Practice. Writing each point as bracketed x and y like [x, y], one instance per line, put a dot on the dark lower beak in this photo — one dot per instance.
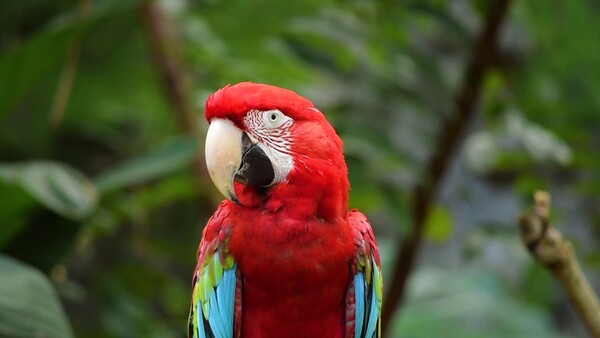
[256, 168]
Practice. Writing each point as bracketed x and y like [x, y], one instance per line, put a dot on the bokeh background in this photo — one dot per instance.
[103, 192]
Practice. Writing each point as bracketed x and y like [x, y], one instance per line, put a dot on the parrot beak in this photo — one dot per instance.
[232, 156]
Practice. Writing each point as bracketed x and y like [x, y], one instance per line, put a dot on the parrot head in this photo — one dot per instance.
[268, 146]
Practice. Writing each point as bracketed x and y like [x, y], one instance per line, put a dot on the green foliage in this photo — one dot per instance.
[439, 224]
[16, 204]
[58, 187]
[480, 307]
[29, 305]
[172, 156]
[52, 42]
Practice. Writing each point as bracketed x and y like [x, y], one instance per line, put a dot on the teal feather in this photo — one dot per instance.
[359, 308]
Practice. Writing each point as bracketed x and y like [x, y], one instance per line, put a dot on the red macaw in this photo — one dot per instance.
[282, 256]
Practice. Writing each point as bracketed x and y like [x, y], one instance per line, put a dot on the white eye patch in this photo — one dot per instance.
[270, 129]
[274, 118]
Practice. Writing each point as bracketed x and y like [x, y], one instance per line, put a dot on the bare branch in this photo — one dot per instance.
[166, 55]
[67, 75]
[175, 79]
[449, 141]
[547, 245]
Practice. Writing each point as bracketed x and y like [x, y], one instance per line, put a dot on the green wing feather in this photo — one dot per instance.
[365, 307]
[214, 283]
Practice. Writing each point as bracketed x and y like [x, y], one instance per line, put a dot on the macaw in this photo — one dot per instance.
[281, 256]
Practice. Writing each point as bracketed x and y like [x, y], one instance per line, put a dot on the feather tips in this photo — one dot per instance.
[367, 307]
[368, 282]
[214, 299]
[214, 284]
[359, 298]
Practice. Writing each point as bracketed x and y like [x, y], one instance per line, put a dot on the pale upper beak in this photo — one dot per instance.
[231, 155]
[223, 155]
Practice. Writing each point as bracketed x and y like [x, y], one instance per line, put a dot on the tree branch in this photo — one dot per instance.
[546, 244]
[165, 54]
[448, 142]
[175, 79]
[67, 75]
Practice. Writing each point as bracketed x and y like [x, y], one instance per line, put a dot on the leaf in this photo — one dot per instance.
[62, 189]
[439, 225]
[22, 68]
[29, 306]
[174, 155]
[468, 302]
[16, 206]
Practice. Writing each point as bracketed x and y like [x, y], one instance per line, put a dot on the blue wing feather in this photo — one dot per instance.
[367, 307]
[215, 317]
[359, 308]
[200, 321]
[229, 280]
[373, 315]
[218, 322]
[214, 282]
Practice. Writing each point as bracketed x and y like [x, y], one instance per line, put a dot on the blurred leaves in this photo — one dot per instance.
[14, 82]
[480, 307]
[173, 155]
[439, 224]
[23, 68]
[516, 143]
[60, 188]
[16, 206]
[29, 306]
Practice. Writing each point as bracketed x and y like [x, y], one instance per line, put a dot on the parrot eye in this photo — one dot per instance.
[274, 118]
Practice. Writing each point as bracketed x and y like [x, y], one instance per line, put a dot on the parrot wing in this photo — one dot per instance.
[364, 296]
[215, 298]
